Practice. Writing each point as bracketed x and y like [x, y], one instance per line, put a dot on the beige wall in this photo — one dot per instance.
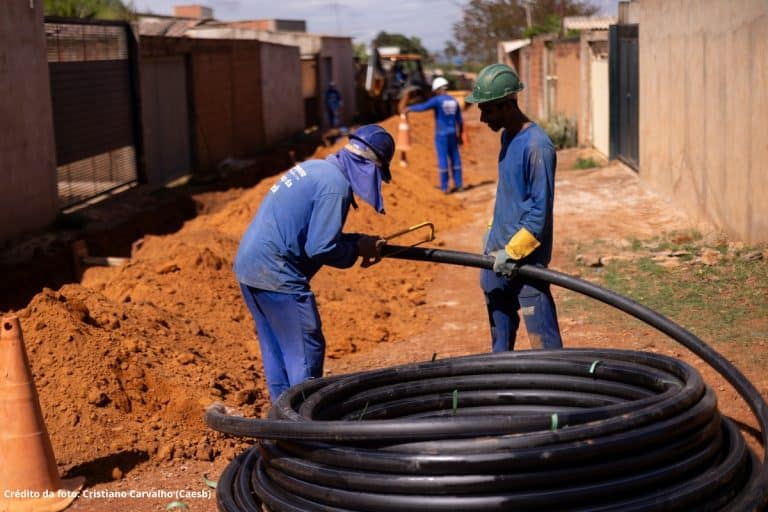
[568, 72]
[311, 46]
[550, 70]
[283, 110]
[593, 122]
[599, 106]
[225, 105]
[246, 94]
[531, 98]
[704, 109]
[27, 150]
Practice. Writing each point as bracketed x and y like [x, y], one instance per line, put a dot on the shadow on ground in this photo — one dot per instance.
[101, 470]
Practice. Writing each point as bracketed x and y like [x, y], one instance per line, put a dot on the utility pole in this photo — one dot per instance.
[336, 11]
[528, 5]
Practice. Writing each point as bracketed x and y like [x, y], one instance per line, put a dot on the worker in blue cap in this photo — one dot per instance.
[298, 229]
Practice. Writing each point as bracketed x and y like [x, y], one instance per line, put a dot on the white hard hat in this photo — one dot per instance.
[439, 82]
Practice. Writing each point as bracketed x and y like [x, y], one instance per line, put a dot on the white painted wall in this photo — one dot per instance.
[599, 104]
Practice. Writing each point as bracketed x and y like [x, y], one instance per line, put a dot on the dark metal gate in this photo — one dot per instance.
[623, 70]
[94, 93]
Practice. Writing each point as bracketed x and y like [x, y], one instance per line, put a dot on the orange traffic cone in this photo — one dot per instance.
[403, 133]
[29, 478]
[403, 139]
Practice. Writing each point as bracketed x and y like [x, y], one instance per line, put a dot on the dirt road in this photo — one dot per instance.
[126, 361]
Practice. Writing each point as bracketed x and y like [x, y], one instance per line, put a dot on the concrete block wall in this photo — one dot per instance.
[283, 103]
[27, 150]
[247, 81]
[246, 94]
[593, 119]
[213, 125]
[567, 58]
[704, 109]
[339, 49]
[531, 99]
[225, 106]
[563, 71]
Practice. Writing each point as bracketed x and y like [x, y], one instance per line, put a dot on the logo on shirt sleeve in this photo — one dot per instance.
[294, 174]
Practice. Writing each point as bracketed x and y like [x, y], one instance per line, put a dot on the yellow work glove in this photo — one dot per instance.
[521, 244]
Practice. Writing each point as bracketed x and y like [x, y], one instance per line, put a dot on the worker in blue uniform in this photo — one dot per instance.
[448, 131]
[521, 229]
[298, 229]
[333, 104]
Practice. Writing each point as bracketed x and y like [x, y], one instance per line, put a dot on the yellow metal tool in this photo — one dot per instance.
[428, 237]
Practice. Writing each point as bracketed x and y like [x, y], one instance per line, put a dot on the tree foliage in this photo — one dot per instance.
[486, 22]
[406, 44]
[360, 52]
[450, 51]
[96, 9]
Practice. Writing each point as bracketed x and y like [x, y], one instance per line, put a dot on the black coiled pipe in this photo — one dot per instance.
[577, 429]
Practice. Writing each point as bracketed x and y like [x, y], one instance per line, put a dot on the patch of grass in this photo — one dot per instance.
[726, 304]
[585, 163]
[561, 130]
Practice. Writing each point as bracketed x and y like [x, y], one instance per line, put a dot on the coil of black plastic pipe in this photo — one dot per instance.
[566, 430]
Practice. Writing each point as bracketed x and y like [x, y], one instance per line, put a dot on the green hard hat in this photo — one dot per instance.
[493, 83]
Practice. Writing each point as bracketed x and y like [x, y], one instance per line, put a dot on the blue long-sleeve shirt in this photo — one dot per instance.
[298, 229]
[525, 192]
[447, 113]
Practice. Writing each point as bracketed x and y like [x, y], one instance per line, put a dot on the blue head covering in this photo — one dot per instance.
[362, 175]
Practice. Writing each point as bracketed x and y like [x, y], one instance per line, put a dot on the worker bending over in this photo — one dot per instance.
[298, 229]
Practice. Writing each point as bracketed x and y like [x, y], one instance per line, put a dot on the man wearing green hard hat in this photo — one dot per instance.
[521, 229]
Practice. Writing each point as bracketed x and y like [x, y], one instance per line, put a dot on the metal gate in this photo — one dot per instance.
[92, 66]
[624, 98]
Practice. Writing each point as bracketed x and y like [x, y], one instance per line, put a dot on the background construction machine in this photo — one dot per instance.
[390, 81]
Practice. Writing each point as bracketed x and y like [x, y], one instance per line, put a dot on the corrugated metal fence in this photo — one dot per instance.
[93, 88]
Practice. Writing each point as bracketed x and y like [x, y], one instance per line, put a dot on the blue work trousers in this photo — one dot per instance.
[504, 297]
[290, 336]
[333, 117]
[447, 147]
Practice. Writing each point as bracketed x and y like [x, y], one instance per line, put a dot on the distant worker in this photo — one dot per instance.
[400, 75]
[297, 230]
[521, 229]
[449, 126]
[333, 103]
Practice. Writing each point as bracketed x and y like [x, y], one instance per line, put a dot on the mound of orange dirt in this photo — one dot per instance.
[127, 360]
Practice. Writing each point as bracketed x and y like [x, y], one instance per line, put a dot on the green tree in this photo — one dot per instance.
[97, 9]
[360, 51]
[486, 22]
[406, 44]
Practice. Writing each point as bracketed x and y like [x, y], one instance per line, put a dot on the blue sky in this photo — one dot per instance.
[430, 20]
